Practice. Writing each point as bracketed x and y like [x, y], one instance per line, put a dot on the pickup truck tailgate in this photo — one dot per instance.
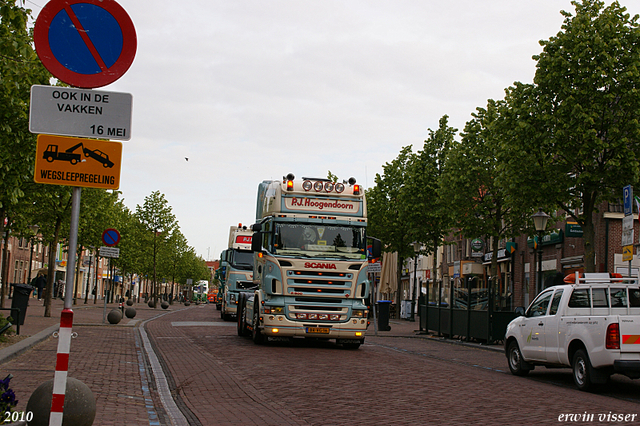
[629, 334]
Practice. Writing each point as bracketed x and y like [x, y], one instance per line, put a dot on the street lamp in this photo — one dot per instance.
[540, 219]
[416, 250]
[34, 229]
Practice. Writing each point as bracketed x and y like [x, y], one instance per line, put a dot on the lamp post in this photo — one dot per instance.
[416, 250]
[33, 228]
[540, 219]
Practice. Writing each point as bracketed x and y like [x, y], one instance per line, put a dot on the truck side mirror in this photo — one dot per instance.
[519, 311]
[256, 241]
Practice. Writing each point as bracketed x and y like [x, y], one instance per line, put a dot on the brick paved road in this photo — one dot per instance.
[227, 380]
[218, 378]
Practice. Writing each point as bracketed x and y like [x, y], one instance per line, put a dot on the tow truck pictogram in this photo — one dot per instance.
[52, 154]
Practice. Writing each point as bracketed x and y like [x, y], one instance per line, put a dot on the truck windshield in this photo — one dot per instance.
[320, 240]
[242, 260]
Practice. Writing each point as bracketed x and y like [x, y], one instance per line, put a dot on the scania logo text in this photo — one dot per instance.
[315, 265]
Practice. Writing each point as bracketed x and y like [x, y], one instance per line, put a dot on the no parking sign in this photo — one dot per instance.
[85, 43]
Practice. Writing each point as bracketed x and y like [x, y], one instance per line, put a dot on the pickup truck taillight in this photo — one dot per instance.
[613, 336]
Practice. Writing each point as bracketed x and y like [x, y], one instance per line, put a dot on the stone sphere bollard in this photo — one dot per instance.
[164, 305]
[130, 312]
[114, 316]
[187, 303]
[151, 304]
[129, 302]
[79, 404]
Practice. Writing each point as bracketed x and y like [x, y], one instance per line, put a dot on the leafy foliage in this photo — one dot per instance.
[571, 137]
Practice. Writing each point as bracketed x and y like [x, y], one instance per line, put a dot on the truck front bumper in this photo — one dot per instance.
[281, 326]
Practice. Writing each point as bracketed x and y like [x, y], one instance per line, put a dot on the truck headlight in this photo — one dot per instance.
[360, 313]
[273, 309]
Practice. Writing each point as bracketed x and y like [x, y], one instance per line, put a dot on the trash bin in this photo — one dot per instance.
[384, 307]
[21, 293]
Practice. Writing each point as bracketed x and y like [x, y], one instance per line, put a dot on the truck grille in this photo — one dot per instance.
[319, 283]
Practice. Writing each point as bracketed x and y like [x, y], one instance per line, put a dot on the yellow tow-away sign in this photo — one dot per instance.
[627, 253]
[89, 163]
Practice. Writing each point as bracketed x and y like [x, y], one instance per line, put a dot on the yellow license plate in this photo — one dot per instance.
[318, 330]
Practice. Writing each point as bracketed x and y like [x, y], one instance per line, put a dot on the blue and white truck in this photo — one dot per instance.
[236, 264]
[310, 263]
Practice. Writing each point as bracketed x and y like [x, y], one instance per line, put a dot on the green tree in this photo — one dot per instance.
[19, 69]
[428, 213]
[50, 207]
[478, 204]
[158, 220]
[572, 137]
[388, 205]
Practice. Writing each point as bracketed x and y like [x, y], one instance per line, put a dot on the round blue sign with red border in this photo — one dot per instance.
[85, 43]
[110, 237]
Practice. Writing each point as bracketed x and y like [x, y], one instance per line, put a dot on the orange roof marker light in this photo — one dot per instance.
[570, 279]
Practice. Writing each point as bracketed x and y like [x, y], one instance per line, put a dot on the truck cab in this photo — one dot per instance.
[310, 263]
[237, 266]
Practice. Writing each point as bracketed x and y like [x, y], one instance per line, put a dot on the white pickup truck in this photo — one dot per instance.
[591, 325]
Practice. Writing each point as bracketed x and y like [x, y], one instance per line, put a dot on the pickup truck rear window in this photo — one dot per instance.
[618, 298]
[579, 299]
[634, 297]
[600, 299]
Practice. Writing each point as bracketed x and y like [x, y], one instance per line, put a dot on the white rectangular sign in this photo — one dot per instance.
[109, 252]
[374, 267]
[627, 237]
[627, 222]
[87, 113]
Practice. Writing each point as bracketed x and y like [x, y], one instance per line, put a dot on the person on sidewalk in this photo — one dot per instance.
[41, 282]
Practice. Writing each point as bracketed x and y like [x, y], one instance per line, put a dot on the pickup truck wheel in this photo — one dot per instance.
[514, 356]
[256, 335]
[582, 370]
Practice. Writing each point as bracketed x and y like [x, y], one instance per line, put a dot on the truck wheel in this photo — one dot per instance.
[256, 335]
[241, 303]
[582, 370]
[514, 356]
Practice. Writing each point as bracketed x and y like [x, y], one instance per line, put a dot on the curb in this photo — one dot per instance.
[16, 349]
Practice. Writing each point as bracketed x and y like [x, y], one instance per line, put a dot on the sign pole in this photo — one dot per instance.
[106, 295]
[66, 320]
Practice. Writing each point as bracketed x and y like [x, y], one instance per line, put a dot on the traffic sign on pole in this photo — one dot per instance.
[78, 162]
[85, 43]
[87, 113]
[110, 237]
[627, 193]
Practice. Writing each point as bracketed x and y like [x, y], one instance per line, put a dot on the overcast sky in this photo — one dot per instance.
[253, 90]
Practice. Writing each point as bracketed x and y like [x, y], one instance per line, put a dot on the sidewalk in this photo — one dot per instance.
[37, 327]
[108, 358]
[411, 329]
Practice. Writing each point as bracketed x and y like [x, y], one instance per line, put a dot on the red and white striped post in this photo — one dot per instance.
[62, 367]
[66, 319]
